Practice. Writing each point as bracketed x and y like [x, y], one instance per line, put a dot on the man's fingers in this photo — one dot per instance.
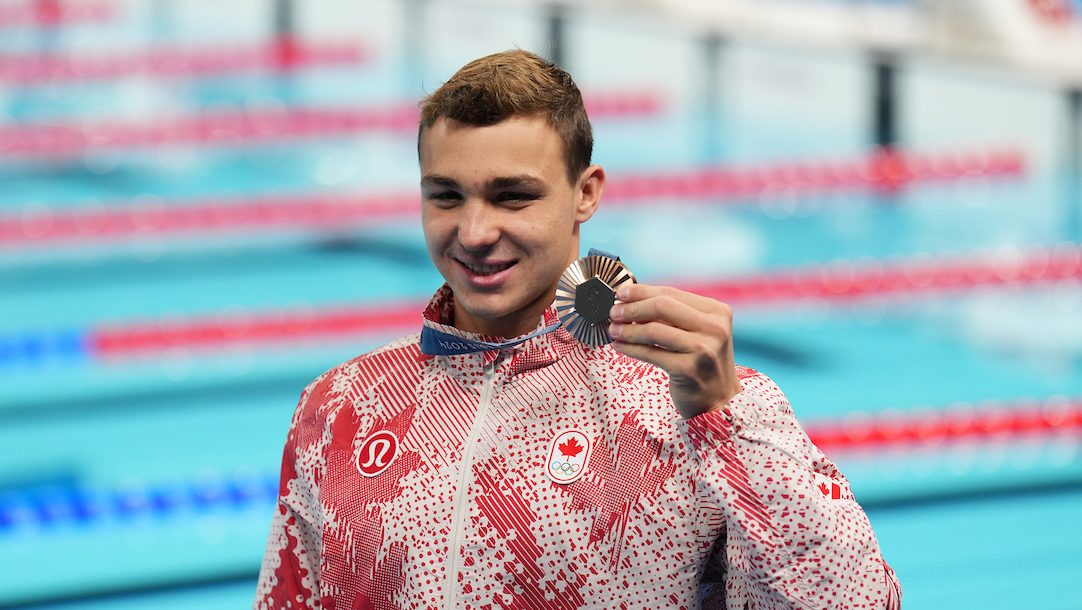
[687, 335]
[675, 312]
[657, 356]
[698, 369]
[638, 292]
[654, 333]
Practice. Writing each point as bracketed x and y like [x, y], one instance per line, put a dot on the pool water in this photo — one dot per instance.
[146, 478]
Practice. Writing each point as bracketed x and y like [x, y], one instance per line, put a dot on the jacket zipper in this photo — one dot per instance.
[461, 492]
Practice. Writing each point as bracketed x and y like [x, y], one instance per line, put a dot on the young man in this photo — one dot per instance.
[540, 472]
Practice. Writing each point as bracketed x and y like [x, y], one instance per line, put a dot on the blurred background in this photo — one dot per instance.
[204, 204]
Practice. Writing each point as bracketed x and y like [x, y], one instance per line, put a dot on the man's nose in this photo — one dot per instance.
[477, 227]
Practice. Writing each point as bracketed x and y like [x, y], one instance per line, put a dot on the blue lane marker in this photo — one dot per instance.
[129, 502]
[7, 514]
[54, 506]
[87, 506]
[57, 505]
[37, 348]
[166, 499]
[15, 512]
[209, 492]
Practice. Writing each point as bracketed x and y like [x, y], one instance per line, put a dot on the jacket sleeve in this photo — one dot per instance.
[290, 573]
[795, 537]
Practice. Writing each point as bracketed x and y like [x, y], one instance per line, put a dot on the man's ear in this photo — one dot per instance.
[590, 185]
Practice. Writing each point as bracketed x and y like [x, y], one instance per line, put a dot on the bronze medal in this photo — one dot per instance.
[586, 292]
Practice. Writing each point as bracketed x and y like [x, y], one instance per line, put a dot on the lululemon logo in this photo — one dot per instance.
[567, 457]
[377, 453]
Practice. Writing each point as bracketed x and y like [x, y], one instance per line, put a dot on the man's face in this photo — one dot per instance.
[501, 218]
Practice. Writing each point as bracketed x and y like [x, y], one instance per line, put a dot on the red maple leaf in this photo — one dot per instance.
[570, 448]
[823, 487]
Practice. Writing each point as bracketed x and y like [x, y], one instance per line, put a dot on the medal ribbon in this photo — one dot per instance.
[435, 342]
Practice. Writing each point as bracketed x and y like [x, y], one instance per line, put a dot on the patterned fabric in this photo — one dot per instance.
[411, 481]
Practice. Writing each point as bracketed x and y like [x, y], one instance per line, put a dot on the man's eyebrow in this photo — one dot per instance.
[439, 181]
[523, 180]
[503, 182]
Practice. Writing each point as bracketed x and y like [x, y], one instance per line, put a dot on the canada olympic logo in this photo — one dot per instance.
[377, 452]
[565, 469]
[568, 455]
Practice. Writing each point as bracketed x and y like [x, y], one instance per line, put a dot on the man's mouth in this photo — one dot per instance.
[485, 269]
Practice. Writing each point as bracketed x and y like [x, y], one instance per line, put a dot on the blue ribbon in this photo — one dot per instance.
[435, 342]
[596, 252]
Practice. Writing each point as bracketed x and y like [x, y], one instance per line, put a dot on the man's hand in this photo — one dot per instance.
[688, 335]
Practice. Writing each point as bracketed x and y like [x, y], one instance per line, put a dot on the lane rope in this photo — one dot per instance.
[960, 422]
[720, 185]
[54, 13]
[254, 125]
[838, 282]
[277, 55]
[56, 505]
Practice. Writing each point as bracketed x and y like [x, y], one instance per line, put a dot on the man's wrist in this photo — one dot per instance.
[719, 405]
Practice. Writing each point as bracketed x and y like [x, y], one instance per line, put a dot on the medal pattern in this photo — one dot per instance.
[586, 291]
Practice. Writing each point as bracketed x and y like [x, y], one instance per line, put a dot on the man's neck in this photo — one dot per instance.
[514, 325]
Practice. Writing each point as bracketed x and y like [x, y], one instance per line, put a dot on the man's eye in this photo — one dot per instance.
[446, 196]
[512, 197]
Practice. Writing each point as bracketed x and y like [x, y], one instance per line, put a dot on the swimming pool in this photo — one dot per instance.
[149, 365]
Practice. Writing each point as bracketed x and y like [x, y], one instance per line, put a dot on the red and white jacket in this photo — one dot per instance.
[555, 475]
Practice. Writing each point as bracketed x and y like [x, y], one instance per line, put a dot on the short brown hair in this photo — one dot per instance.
[495, 87]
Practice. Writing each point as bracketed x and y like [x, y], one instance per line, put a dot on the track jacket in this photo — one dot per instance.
[555, 475]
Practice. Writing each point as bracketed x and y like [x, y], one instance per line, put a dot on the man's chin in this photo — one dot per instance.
[484, 310]
[491, 314]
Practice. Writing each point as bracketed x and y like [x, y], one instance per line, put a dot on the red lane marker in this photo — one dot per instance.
[250, 126]
[288, 326]
[883, 170]
[277, 55]
[958, 423]
[1040, 265]
[53, 13]
[316, 212]
[213, 128]
[319, 212]
[846, 281]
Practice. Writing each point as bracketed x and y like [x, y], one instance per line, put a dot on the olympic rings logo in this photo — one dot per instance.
[568, 458]
[565, 468]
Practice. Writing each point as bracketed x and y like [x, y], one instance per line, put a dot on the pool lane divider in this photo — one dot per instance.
[842, 281]
[53, 13]
[834, 283]
[252, 126]
[53, 505]
[322, 212]
[279, 55]
[117, 341]
[881, 170]
[44, 347]
[108, 223]
[284, 326]
[958, 423]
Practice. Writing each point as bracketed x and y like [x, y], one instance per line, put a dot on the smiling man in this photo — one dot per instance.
[501, 216]
[492, 460]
